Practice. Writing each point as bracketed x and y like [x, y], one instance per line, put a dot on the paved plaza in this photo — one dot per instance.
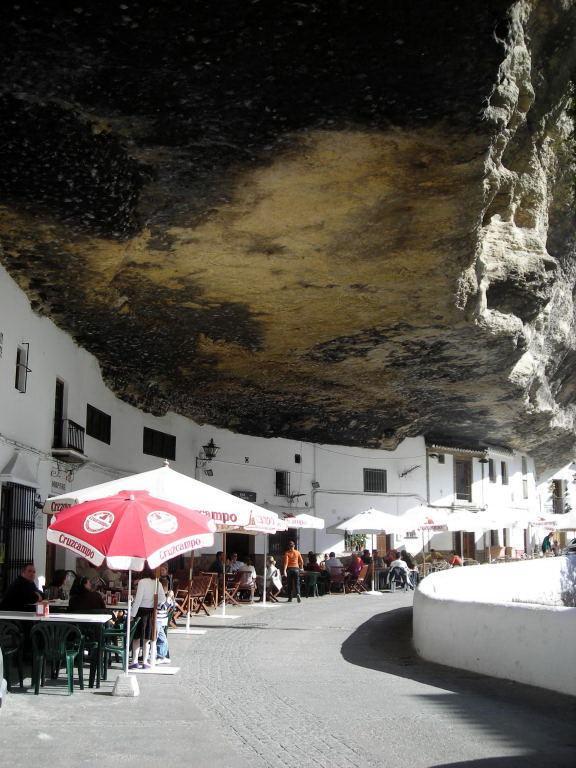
[330, 683]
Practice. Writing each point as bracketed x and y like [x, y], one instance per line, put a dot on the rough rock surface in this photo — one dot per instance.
[334, 221]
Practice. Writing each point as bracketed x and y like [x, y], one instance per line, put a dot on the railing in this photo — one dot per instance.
[71, 436]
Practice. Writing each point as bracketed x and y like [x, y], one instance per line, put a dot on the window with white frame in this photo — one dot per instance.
[524, 477]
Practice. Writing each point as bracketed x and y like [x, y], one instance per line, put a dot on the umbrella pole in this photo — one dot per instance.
[224, 577]
[191, 573]
[154, 620]
[128, 617]
[462, 546]
[264, 585]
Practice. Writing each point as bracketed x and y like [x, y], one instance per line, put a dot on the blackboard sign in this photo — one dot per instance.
[246, 495]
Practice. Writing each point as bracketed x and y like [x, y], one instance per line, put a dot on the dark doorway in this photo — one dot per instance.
[17, 513]
[58, 414]
[278, 543]
[465, 547]
[241, 543]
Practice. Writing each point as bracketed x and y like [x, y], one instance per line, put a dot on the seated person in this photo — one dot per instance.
[455, 559]
[399, 567]
[56, 587]
[312, 564]
[367, 557]
[377, 560]
[247, 578]
[22, 594]
[83, 598]
[85, 568]
[218, 564]
[392, 554]
[235, 564]
[354, 566]
[333, 561]
[412, 568]
[435, 556]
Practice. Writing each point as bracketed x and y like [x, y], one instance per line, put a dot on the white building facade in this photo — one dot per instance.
[61, 428]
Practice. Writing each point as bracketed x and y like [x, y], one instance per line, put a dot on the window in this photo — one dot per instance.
[159, 444]
[491, 470]
[463, 479]
[441, 458]
[282, 483]
[524, 477]
[375, 481]
[98, 424]
[504, 471]
[22, 370]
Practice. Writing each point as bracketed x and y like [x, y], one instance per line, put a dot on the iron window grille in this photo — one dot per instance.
[375, 481]
[504, 472]
[282, 483]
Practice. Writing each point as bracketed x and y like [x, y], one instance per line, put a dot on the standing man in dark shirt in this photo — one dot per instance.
[22, 594]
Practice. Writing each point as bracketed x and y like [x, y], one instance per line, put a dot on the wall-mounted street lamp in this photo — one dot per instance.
[206, 455]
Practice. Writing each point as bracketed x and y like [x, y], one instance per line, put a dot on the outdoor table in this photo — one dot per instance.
[70, 618]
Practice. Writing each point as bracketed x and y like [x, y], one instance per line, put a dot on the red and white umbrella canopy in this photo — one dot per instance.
[130, 528]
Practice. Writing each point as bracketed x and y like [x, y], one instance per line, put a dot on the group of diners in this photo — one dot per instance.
[285, 579]
[23, 594]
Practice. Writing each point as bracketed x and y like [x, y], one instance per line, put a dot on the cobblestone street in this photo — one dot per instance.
[330, 683]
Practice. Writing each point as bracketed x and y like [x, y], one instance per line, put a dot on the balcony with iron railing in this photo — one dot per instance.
[69, 441]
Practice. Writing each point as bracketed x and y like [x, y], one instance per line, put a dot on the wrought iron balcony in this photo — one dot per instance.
[69, 441]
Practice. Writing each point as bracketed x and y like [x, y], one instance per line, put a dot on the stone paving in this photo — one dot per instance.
[330, 683]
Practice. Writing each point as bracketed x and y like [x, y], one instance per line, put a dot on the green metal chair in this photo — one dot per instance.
[115, 643]
[57, 644]
[311, 583]
[11, 643]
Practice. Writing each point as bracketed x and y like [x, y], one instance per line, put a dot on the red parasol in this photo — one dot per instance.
[130, 528]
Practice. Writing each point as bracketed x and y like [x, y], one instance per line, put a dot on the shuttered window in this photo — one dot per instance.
[98, 424]
[159, 444]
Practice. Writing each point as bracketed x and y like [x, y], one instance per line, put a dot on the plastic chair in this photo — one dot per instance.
[115, 643]
[56, 644]
[11, 642]
[311, 583]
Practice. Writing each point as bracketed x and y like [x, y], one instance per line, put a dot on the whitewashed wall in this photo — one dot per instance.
[503, 620]
[243, 462]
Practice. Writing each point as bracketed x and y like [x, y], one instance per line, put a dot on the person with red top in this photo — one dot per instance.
[454, 559]
[292, 564]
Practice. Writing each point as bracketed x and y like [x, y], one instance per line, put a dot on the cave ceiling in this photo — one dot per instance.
[331, 221]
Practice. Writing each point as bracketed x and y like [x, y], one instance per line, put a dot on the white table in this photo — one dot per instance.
[71, 618]
[68, 618]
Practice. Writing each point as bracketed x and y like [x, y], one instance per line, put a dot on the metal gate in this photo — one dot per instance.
[17, 513]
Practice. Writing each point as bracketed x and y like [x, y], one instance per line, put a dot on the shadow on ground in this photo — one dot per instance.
[540, 722]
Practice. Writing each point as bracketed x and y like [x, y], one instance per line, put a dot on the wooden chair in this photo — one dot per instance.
[357, 585]
[199, 589]
[212, 594]
[338, 579]
[181, 599]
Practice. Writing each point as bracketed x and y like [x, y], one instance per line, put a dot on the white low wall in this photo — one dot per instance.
[511, 620]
